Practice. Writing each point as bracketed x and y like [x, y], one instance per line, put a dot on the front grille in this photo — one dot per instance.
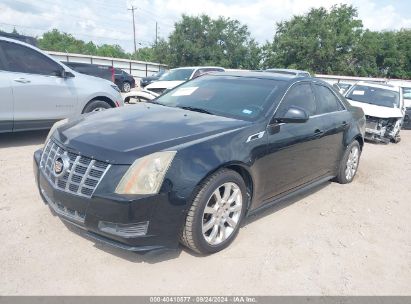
[82, 175]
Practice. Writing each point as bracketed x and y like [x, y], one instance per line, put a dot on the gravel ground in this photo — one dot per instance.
[336, 240]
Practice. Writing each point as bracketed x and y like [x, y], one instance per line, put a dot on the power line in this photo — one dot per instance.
[156, 32]
[134, 28]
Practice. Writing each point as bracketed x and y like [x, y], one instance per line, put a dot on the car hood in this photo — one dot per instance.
[377, 111]
[163, 84]
[122, 135]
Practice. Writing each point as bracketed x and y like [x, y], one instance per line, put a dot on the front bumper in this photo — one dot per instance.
[155, 219]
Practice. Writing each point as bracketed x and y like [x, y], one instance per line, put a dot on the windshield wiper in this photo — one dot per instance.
[194, 109]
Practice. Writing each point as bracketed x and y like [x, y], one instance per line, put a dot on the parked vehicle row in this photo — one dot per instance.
[37, 90]
[199, 156]
[189, 166]
[168, 81]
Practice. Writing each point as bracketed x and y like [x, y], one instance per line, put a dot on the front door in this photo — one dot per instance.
[6, 102]
[40, 96]
[294, 150]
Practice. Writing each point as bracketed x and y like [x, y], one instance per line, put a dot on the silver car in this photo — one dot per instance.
[36, 90]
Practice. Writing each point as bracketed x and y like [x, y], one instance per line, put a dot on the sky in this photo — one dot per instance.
[110, 21]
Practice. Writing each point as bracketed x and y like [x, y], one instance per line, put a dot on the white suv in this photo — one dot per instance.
[37, 90]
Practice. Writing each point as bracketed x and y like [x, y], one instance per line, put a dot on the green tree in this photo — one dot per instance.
[403, 38]
[55, 40]
[320, 41]
[205, 41]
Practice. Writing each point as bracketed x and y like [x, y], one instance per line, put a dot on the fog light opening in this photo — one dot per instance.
[124, 230]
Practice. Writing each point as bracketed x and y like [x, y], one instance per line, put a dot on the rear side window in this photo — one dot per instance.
[22, 59]
[327, 102]
[300, 95]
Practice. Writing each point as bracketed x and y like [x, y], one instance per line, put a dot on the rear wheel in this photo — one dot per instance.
[126, 87]
[214, 218]
[349, 163]
[96, 106]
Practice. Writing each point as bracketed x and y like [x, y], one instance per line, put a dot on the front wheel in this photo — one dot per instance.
[96, 106]
[214, 218]
[349, 163]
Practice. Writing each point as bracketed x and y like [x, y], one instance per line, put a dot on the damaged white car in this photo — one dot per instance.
[139, 96]
[384, 110]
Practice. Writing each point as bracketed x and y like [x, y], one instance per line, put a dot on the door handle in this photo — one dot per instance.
[22, 80]
[344, 124]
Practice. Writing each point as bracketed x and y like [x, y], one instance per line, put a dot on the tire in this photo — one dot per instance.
[126, 87]
[397, 138]
[345, 175]
[195, 234]
[96, 106]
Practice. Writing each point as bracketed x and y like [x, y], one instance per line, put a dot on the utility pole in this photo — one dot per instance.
[156, 32]
[134, 28]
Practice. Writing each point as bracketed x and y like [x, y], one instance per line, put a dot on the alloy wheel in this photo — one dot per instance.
[126, 87]
[99, 109]
[352, 163]
[222, 213]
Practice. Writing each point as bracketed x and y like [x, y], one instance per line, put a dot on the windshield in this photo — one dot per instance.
[406, 92]
[158, 74]
[376, 96]
[229, 96]
[177, 75]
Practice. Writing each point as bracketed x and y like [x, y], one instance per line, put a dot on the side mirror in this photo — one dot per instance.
[293, 115]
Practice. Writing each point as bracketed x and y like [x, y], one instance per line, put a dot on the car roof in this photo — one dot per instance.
[273, 76]
[286, 70]
[199, 67]
[378, 85]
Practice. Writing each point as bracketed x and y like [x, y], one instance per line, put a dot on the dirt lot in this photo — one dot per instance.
[337, 239]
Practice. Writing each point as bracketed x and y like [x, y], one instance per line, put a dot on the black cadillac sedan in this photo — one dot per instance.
[189, 166]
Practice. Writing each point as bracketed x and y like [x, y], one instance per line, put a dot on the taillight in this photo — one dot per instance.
[113, 78]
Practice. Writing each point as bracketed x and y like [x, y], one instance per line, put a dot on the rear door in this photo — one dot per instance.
[335, 121]
[6, 99]
[40, 96]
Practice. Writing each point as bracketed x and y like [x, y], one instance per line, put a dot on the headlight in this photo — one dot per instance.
[146, 174]
[115, 87]
[54, 127]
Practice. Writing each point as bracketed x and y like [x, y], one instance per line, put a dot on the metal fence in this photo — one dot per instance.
[136, 68]
[331, 79]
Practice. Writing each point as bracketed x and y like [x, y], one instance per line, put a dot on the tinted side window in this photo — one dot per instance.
[300, 95]
[26, 60]
[327, 101]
